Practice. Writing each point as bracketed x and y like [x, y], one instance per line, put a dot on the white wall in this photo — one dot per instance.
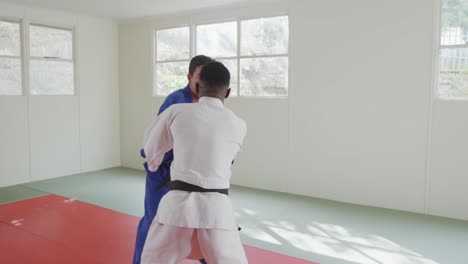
[50, 136]
[360, 110]
[97, 42]
[448, 178]
[14, 138]
[361, 124]
[135, 90]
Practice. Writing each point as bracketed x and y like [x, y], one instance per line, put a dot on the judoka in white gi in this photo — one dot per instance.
[195, 219]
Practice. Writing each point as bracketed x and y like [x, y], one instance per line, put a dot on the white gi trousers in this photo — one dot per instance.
[171, 245]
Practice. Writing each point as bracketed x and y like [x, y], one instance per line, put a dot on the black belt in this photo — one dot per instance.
[191, 188]
[187, 187]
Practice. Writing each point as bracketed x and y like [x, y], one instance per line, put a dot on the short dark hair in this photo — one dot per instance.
[198, 60]
[215, 75]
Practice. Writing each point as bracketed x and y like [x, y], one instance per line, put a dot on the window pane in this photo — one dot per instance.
[51, 42]
[264, 77]
[51, 78]
[266, 36]
[217, 40]
[232, 67]
[453, 78]
[173, 44]
[171, 76]
[10, 39]
[454, 22]
[10, 76]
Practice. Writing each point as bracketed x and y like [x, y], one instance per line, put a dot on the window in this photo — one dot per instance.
[10, 58]
[51, 61]
[453, 53]
[219, 41]
[264, 57]
[172, 60]
[255, 52]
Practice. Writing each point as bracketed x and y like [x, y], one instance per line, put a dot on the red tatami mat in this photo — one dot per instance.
[19, 247]
[53, 229]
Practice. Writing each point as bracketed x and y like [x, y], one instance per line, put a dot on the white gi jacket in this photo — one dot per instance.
[205, 137]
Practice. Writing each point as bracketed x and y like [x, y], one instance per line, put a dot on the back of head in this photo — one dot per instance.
[197, 61]
[214, 78]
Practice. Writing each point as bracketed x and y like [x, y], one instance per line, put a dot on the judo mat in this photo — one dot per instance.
[54, 229]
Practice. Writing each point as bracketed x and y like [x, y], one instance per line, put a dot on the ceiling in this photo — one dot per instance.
[126, 9]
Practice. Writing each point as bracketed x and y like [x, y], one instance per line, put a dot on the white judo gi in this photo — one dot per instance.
[205, 138]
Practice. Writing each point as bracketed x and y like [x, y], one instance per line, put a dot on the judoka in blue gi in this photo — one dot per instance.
[155, 180]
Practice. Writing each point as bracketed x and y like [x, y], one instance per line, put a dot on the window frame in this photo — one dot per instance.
[193, 50]
[154, 55]
[30, 58]
[263, 56]
[438, 46]
[236, 57]
[21, 57]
